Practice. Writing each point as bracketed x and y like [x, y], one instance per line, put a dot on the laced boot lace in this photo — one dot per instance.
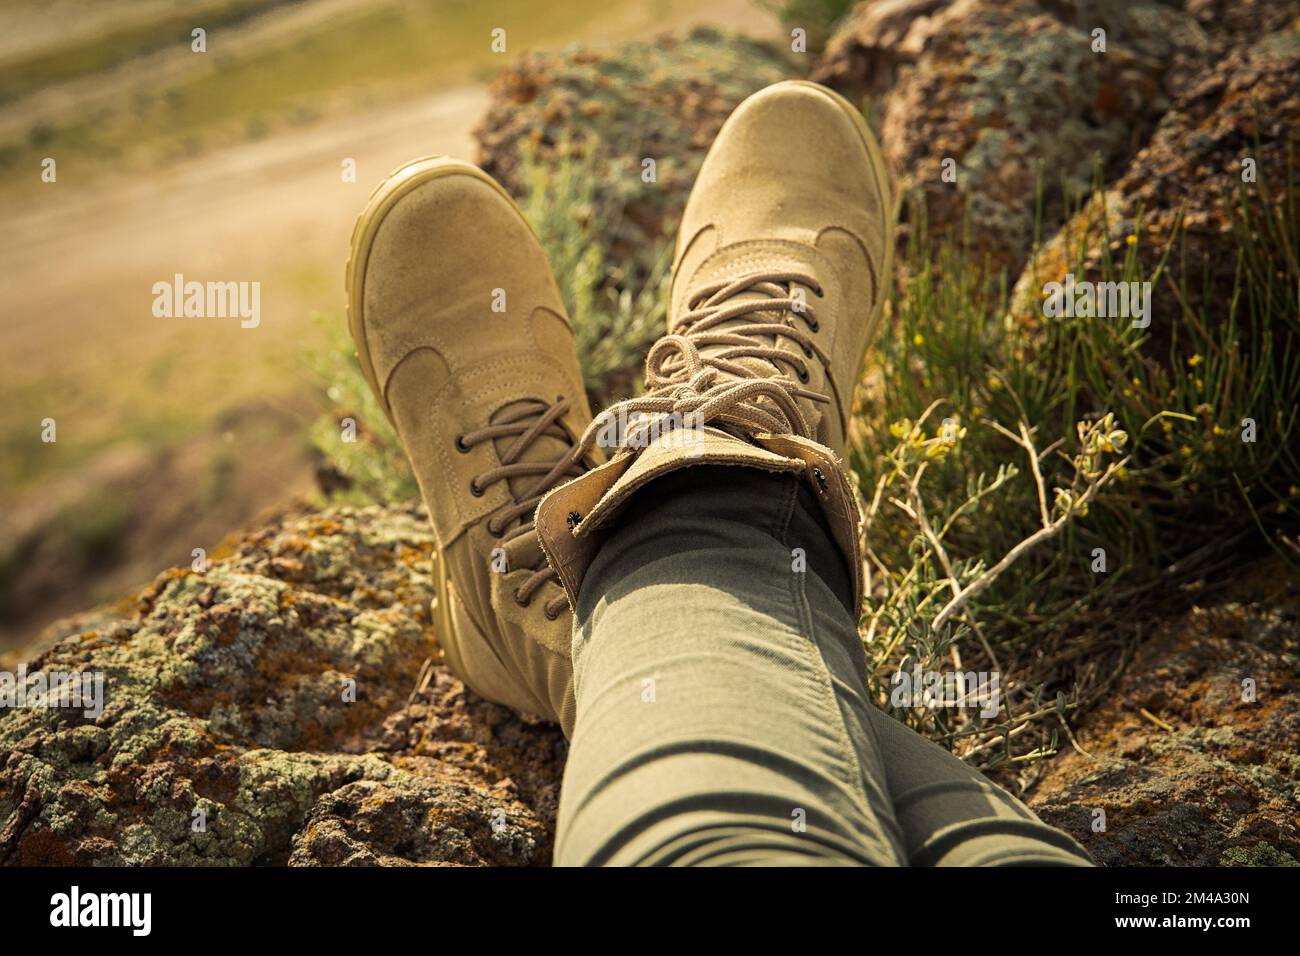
[527, 423]
[696, 375]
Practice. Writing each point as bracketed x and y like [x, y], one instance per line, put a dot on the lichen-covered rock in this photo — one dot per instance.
[980, 101]
[279, 706]
[663, 100]
[877, 38]
[1226, 143]
[1232, 23]
[1195, 759]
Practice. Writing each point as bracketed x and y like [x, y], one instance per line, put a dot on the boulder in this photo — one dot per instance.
[1226, 142]
[663, 100]
[283, 705]
[1004, 96]
[1193, 760]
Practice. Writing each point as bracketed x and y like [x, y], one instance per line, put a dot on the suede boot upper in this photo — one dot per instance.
[780, 278]
[463, 335]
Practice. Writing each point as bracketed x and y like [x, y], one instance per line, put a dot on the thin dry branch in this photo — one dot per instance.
[1034, 540]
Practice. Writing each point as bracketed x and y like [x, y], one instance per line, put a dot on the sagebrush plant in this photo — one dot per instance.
[373, 467]
[1028, 417]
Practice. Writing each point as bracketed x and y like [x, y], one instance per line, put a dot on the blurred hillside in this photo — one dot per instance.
[224, 165]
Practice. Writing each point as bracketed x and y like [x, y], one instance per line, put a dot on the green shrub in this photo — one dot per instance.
[1176, 494]
[615, 318]
[818, 17]
[373, 467]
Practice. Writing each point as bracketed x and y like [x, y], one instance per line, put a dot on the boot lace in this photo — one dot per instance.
[689, 386]
[527, 424]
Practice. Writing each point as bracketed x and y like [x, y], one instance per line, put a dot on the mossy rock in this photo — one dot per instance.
[281, 706]
[663, 100]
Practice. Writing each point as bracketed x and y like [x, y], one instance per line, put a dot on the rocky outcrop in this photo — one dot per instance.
[279, 706]
[1225, 145]
[979, 102]
[1229, 24]
[1195, 758]
[663, 101]
[228, 734]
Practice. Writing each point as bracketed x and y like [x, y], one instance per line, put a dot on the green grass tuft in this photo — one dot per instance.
[1191, 503]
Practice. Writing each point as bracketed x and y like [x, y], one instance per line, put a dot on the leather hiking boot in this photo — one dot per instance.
[780, 278]
[464, 339]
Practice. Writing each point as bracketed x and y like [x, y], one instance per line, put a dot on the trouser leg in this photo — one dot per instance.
[722, 708]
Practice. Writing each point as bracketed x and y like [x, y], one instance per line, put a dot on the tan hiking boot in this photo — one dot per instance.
[463, 336]
[780, 278]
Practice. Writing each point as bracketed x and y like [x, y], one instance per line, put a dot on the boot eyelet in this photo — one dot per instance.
[808, 353]
[546, 612]
[803, 375]
[814, 325]
[475, 490]
[520, 601]
[494, 529]
[461, 446]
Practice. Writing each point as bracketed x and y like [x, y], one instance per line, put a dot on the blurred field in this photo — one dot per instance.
[221, 166]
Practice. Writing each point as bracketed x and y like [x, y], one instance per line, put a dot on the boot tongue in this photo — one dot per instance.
[545, 448]
[524, 551]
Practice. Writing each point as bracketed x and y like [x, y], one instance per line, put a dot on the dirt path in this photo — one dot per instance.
[107, 89]
[273, 211]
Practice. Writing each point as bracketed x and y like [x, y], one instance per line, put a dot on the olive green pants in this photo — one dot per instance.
[722, 712]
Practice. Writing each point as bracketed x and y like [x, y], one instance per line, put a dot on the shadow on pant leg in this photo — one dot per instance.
[952, 815]
[713, 676]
